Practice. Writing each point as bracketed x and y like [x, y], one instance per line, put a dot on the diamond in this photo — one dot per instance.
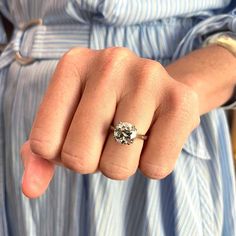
[125, 133]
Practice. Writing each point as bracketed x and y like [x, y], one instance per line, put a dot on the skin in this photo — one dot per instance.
[71, 127]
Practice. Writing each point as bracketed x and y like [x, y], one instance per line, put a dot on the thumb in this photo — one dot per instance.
[38, 172]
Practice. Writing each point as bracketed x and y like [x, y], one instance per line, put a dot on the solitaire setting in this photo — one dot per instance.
[125, 133]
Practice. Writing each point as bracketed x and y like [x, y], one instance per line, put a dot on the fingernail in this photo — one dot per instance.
[31, 180]
[37, 176]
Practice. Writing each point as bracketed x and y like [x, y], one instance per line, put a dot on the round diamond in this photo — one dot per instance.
[125, 133]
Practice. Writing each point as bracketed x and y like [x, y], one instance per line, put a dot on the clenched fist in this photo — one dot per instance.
[94, 89]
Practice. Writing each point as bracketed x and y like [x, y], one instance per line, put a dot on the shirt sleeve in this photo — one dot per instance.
[224, 21]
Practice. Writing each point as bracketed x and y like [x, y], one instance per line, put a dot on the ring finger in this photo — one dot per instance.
[119, 161]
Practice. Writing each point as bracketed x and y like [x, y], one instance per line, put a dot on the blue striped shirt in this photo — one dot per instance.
[198, 198]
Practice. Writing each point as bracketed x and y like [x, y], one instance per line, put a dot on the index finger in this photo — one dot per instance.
[59, 104]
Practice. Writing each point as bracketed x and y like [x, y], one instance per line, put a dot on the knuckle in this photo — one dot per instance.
[152, 68]
[116, 171]
[154, 171]
[196, 122]
[77, 162]
[183, 103]
[110, 62]
[183, 99]
[150, 72]
[114, 57]
[177, 98]
[43, 148]
[23, 150]
[75, 52]
[117, 53]
[192, 97]
[152, 65]
[73, 62]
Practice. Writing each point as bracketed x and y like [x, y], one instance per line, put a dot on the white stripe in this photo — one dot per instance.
[197, 199]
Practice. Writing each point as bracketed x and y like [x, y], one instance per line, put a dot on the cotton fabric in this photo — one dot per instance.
[198, 198]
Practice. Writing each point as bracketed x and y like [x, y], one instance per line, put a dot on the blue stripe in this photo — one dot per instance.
[198, 198]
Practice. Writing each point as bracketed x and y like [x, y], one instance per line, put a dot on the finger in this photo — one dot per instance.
[59, 104]
[37, 175]
[178, 116]
[23, 153]
[88, 131]
[136, 107]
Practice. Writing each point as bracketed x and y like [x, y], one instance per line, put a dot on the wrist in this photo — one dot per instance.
[210, 72]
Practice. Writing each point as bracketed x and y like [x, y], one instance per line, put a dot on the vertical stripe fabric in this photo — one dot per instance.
[3, 37]
[197, 199]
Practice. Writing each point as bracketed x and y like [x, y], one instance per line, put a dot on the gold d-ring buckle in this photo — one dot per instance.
[18, 57]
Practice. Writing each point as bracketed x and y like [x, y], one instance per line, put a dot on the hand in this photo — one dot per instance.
[91, 90]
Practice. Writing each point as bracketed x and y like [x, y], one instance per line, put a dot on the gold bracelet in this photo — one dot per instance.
[226, 40]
